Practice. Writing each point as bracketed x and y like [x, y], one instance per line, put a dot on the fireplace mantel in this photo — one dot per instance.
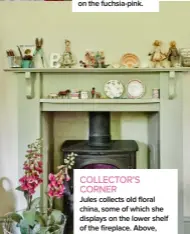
[31, 73]
[164, 115]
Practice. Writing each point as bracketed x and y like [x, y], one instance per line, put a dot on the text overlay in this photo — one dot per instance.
[115, 6]
[119, 200]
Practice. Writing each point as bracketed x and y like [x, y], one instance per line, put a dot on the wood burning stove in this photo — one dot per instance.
[98, 152]
[100, 149]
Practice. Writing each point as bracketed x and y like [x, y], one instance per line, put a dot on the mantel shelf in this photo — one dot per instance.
[99, 101]
[122, 105]
[96, 70]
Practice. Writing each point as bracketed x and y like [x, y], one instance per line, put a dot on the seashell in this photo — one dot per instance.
[130, 60]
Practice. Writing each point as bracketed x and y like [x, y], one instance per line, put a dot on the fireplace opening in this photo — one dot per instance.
[100, 148]
[98, 152]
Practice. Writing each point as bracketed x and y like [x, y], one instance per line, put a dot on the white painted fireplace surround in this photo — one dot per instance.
[162, 118]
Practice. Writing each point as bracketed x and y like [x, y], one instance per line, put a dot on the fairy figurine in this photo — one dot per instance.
[157, 56]
[67, 59]
[173, 54]
[38, 55]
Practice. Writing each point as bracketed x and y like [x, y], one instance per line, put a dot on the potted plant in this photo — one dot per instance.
[36, 219]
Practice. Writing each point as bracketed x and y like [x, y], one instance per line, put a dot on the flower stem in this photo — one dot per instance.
[51, 203]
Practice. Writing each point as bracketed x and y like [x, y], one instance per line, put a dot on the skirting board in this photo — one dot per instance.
[187, 225]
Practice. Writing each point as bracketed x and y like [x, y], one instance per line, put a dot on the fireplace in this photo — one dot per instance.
[155, 123]
[98, 152]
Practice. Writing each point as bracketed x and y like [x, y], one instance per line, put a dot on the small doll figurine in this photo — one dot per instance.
[67, 59]
[157, 56]
[67, 46]
[39, 54]
[90, 59]
[173, 54]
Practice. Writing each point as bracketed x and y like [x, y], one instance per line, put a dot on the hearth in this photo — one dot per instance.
[98, 152]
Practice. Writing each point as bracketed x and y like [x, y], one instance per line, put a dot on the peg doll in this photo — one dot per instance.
[39, 54]
[173, 54]
[157, 56]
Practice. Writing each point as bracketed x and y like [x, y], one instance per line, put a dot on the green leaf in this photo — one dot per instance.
[50, 220]
[35, 203]
[15, 217]
[29, 216]
[57, 216]
[19, 189]
[43, 230]
[53, 229]
[40, 219]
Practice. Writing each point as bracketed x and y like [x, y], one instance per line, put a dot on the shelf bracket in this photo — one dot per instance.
[172, 85]
[29, 85]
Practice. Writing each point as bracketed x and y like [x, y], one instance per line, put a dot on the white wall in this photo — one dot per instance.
[115, 33]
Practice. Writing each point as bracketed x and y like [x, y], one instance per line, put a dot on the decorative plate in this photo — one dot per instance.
[113, 89]
[135, 89]
[130, 61]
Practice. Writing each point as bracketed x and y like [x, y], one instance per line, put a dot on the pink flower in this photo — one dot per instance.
[56, 191]
[51, 193]
[40, 164]
[55, 186]
[67, 178]
[33, 168]
[52, 177]
[38, 155]
[26, 167]
[30, 183]
[30, 151]
[38, 169]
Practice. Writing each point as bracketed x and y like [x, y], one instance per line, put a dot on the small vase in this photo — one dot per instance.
[26, 63]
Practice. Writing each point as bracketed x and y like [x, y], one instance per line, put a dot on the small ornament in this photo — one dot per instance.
[53, 95]
[93, 93]
[67, 59]
[64, 94]
[185, 57]
[54, 60]
[100, 60]
[114, 89]
[94, 60]
[75, 94]
[26, 54]
[98, 95]
[157, 56]
[135, 89]
[130, 61]
[84, 95]
[38, 56]
[83, 64]
[156, 93]
[173, 55]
